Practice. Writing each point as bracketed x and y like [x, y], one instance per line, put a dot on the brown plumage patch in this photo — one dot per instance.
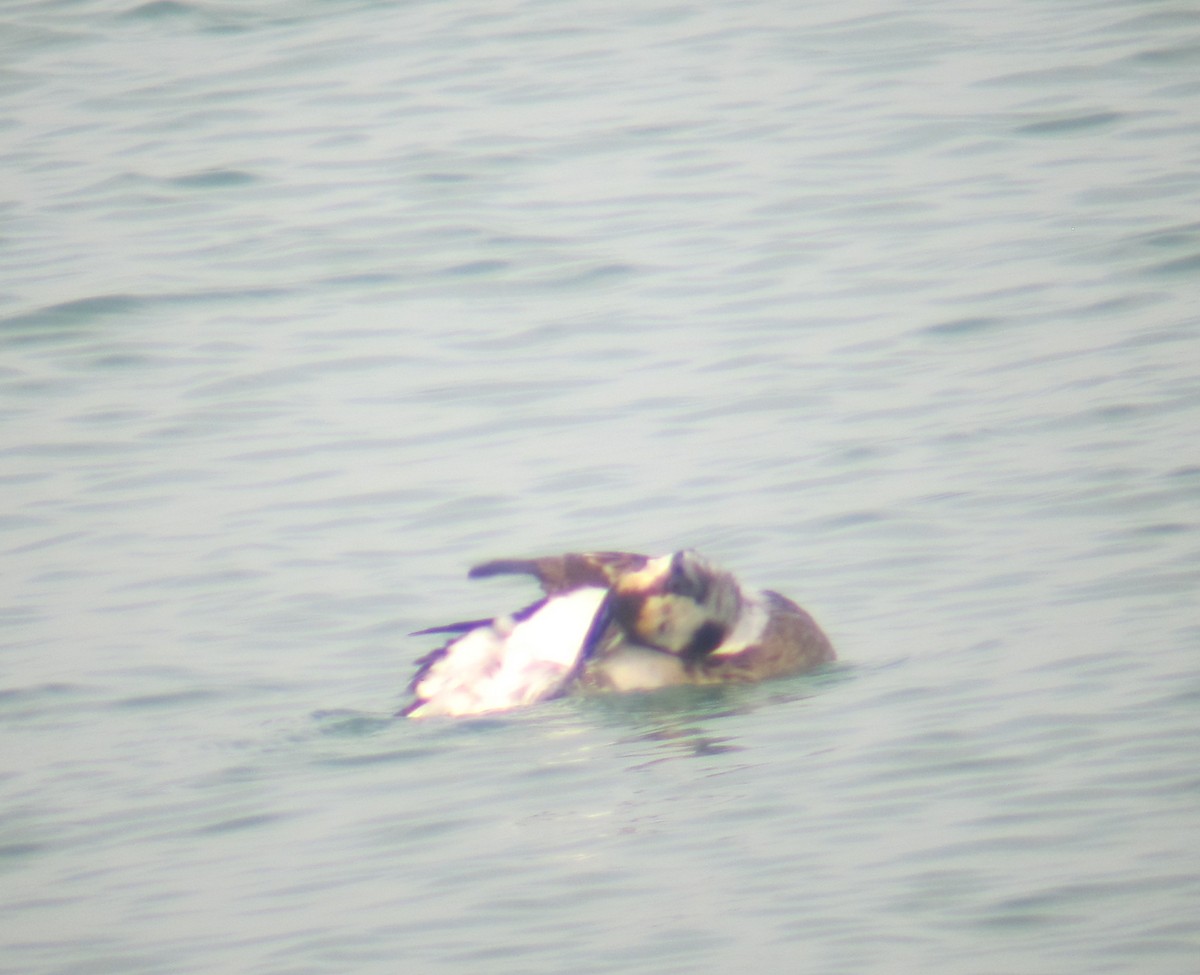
[791, 643]
[564, 573]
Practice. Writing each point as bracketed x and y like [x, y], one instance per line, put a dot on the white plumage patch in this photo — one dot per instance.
[509, 661]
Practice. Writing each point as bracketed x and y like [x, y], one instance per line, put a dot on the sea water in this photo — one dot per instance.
[305, 307]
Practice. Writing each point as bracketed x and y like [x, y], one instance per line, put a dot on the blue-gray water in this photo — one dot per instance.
[306, 306]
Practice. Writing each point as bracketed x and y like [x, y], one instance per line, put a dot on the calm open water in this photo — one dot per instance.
[307, 306]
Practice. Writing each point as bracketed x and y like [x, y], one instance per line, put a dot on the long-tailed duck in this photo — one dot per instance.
[615, 621]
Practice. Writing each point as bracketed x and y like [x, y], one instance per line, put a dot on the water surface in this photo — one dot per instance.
[306, 307]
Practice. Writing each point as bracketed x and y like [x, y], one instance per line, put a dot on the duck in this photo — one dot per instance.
[615, 622]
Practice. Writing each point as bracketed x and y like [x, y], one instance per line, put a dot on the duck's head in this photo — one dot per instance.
[681, 604]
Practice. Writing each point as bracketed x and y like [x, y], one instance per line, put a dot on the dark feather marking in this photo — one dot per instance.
[424, 665]
[595, 633]
[706, 640]
[468, 625]
[523, 614]
[500, 567]
[451, 627]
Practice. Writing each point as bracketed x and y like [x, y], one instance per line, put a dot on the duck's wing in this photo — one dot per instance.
[566, 573]
[509, 661]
